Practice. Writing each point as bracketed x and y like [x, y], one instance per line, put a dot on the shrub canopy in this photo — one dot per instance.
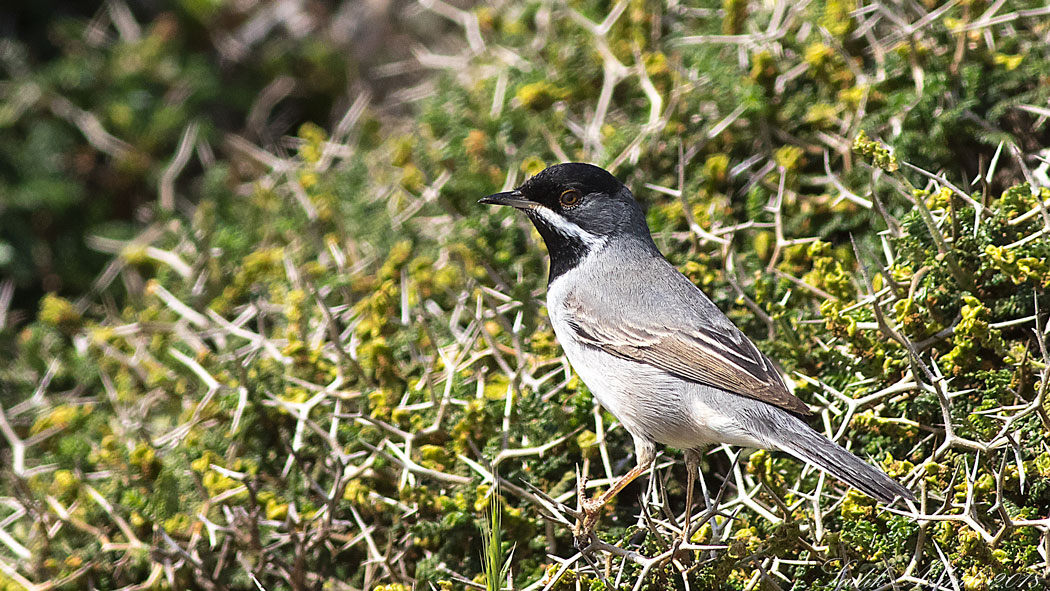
[309, 365]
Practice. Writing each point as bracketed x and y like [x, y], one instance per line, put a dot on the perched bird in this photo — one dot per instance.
[652, 348]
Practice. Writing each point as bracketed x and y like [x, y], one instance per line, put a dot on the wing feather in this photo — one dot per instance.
[715, 353]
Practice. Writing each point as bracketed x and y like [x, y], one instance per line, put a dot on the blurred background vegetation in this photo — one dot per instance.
[256, 333]
[98, 101]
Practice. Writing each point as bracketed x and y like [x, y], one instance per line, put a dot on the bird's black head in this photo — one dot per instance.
[577, 208]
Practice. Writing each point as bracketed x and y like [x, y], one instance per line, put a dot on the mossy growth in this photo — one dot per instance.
[302, 376]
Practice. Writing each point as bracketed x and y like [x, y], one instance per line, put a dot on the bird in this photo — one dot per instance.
[653, 349]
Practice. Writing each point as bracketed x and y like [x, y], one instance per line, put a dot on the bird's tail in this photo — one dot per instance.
[801, 441]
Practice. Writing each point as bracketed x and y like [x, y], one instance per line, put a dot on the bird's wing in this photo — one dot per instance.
[707, 349]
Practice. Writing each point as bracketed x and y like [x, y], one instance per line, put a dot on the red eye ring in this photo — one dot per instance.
[569, 197]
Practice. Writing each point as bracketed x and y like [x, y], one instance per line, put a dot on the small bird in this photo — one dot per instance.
[652, 348]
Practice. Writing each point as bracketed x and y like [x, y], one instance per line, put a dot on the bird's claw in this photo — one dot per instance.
[583, 535]
[583, 541]
[586, 516]
[676, 547]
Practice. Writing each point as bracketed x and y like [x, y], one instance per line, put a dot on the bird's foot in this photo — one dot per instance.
[587, 516]
[676, 545]
[676, 548]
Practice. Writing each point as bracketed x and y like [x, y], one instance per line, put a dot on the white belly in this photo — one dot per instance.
[650, 403]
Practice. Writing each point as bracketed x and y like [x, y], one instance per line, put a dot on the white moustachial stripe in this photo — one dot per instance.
[569, 229]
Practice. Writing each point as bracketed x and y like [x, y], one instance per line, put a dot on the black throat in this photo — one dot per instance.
[566, 252]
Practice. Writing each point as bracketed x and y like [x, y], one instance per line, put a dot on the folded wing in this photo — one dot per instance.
[704, 348]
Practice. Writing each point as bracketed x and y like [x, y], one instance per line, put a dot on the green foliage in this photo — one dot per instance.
[495, 560]
[93, 111]
[298, 380]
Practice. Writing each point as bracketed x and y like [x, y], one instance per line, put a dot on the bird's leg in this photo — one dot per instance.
[692, 466]
[589, 508]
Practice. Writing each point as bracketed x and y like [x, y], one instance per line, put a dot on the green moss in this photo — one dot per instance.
[539, 95]
[879, 155]
[972, 334]
[59, 313]
[838, 18]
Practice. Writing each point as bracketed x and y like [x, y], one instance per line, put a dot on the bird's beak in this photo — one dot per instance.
[512, 198]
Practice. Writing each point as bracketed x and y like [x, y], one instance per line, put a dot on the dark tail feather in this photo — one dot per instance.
[804, 443]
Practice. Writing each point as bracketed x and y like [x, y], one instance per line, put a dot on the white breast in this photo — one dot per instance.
[604, 374]
[649, 402]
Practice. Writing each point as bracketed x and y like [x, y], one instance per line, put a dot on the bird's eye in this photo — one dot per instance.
[570, 197]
